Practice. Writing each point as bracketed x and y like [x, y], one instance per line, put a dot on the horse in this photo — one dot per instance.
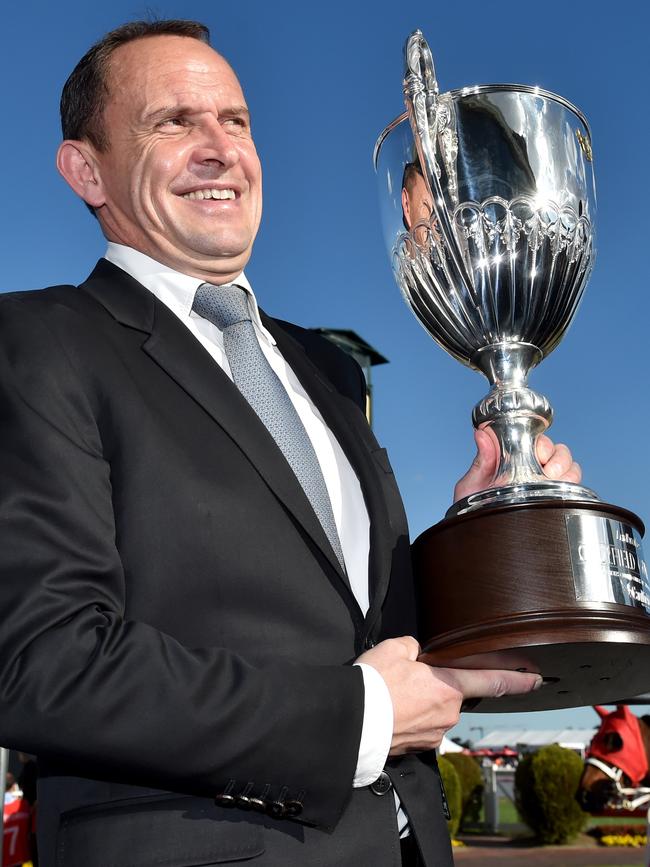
[616, 775]
[617, 765]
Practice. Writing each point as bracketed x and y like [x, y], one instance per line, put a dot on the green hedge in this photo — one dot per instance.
[545, 787]
[471, 786]
[451, 782]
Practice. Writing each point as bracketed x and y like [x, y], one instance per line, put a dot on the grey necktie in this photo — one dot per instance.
[227, 308]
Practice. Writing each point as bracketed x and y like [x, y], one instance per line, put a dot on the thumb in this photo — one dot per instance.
[481, 472]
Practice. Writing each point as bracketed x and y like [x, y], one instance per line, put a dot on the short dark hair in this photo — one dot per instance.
[411, 172]
[84, 94]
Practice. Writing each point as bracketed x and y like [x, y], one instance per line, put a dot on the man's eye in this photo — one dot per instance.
[172, 121]
[236, 123]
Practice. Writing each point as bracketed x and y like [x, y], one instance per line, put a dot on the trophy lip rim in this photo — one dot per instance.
[485, 88]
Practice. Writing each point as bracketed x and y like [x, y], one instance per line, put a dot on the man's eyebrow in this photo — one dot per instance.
[236, 111]
[181, 110]
[165, 111]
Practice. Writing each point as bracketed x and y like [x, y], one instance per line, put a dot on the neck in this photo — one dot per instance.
[213, 270]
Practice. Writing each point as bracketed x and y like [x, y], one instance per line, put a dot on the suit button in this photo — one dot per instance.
[276, 808]
[294, 807]
[382, 784]
[369, 643]
[259, 803]
[244, 798]
[226, 798]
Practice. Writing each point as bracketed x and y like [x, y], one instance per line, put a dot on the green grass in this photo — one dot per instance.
[510, 823]
[615, 820]
[508, 816]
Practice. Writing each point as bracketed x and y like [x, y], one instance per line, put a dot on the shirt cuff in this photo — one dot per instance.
[377, 730]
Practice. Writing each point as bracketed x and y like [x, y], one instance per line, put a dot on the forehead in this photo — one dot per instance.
[418, 183]
[150, 72]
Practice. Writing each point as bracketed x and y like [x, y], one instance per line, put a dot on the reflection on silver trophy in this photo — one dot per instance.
[489, 215]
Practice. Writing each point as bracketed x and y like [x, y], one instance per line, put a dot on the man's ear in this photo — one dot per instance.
[76, 162]
[406, 207]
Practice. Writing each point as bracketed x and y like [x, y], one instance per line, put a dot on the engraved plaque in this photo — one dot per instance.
[607, 560]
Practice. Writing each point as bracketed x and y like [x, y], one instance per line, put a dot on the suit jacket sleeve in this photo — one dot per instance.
[80, 681]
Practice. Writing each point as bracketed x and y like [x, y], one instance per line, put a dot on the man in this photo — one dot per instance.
[184, 611]
[417, 208]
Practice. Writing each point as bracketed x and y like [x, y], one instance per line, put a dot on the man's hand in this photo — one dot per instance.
[556, 460]
[427, 700]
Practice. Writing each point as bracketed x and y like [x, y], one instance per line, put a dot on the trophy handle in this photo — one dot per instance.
[421, 95]
[419, 67]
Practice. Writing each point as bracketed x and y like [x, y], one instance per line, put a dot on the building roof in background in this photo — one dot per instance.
[532, 738]
[448, 746]
[351, 342]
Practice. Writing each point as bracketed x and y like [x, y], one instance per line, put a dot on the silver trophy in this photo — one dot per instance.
[488, 205]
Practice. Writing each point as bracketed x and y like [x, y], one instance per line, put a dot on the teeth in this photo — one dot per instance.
[210, 194]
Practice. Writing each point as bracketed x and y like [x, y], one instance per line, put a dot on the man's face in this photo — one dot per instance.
[181, 180]
[416, 204]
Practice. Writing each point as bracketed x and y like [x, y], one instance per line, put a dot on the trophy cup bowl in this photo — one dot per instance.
[488, 206]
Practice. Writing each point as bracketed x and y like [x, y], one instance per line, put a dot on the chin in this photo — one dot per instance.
[204, 263]
[218, 247]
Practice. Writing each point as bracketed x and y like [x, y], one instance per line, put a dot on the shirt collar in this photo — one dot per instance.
[174, 289]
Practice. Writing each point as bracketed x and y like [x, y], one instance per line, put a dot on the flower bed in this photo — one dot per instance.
[633, 835]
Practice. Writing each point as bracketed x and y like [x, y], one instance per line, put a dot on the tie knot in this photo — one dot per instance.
[222, 305]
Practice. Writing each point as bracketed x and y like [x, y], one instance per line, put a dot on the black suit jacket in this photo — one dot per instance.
[175, 624]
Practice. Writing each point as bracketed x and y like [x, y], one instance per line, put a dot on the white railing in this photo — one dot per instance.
[499, 783]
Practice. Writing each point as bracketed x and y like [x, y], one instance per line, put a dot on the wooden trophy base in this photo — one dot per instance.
[556, 587]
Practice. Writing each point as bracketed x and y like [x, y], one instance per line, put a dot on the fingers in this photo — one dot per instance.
[426, 700]
[423, 706]
[409, 645]
[391, 652]
[481, 472]
[544, 448]
[482, 683]
[575, 474]
[557, 461]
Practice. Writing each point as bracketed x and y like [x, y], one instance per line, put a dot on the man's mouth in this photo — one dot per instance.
[210, 194]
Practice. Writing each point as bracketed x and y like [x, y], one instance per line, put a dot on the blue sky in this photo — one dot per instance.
[322, 82]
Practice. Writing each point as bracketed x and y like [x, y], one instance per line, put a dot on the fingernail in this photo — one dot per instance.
[538, 682]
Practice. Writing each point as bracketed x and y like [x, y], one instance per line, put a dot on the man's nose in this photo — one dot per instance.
[215, 146]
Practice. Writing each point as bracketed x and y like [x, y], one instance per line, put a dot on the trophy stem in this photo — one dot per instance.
[514, 413]
[517, 438]
[516, 416]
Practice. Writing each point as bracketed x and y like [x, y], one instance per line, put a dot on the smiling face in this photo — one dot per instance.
[180, 180]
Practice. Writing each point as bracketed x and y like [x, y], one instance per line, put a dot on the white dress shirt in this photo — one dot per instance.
[177, 292]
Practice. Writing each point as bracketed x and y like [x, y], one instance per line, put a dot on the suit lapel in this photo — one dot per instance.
[175, 350]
